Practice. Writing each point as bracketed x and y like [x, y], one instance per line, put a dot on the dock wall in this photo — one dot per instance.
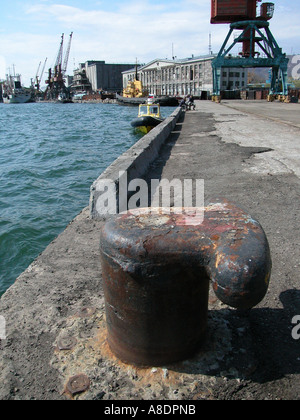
[134, 162]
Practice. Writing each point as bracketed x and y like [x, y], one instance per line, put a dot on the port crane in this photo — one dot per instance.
[56, 77]
[259, 47]
[38, 77]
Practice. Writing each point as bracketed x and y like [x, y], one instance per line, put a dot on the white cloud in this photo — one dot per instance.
[136, 29]
[25, 51]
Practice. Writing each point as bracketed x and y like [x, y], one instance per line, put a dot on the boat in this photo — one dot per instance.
[149, 117]
[167, 101]
[135, 94]
[123, 100]
[136, 101]
[14, 93]
[160, 100]
[64, 98]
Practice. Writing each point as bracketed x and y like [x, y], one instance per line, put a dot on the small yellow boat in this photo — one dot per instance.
[149, 117]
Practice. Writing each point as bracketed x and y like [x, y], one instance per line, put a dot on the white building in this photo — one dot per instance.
[183, 77]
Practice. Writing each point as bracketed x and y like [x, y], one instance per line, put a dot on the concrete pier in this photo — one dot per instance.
[247, 152]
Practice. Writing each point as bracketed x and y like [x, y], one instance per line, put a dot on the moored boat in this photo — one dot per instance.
[134, 93]
[124, 100]
[149, 117]
[63, 98]
[136, 101]
[14, 93]
[167, 101]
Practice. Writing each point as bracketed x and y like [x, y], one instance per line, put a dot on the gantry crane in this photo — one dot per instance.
[56, 76]
[259, 47]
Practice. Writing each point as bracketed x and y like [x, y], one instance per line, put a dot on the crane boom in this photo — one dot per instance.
[60, 52]
[37, 73]
[42, 72]
[65, 65]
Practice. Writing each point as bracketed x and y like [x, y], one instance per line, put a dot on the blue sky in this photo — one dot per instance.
[120, 31]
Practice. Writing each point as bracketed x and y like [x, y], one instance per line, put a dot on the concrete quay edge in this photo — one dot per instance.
[135, 161]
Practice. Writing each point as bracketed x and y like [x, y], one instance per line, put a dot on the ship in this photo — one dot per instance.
[135, 94]
[14, 93]
[160, 100]
[123, 100]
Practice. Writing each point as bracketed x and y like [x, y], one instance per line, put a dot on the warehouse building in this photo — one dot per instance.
[184, 77]
[102, 76]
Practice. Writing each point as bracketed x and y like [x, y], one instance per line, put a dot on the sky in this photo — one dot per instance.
[119, 31]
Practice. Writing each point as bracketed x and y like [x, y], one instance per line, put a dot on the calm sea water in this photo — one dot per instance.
[50, 154]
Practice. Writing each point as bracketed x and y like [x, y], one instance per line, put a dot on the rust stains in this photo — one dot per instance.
[156, 279]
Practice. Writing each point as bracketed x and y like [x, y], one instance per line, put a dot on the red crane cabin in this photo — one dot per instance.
[229, 11]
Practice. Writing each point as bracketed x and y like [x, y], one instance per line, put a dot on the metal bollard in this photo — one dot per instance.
[156, 271]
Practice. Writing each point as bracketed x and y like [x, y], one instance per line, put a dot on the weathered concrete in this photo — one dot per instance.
[280, 112]
[272, 125]
[246, 355]
[134, 162]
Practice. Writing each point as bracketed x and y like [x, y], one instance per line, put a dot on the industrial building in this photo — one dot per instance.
[186, 76]
[100, 76]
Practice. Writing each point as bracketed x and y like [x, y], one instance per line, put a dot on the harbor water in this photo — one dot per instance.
[50, 155]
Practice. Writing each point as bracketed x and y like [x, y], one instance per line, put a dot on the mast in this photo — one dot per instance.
[136, 71]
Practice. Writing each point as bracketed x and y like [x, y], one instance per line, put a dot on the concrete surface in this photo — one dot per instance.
[275, 111]
[248, 355]
[134, 162]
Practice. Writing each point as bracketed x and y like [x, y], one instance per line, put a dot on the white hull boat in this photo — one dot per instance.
[14, 92]
[17, 98]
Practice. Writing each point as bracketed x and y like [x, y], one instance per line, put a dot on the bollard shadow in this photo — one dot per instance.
[256, 345]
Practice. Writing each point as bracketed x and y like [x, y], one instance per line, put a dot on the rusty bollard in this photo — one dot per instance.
[156, 271]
